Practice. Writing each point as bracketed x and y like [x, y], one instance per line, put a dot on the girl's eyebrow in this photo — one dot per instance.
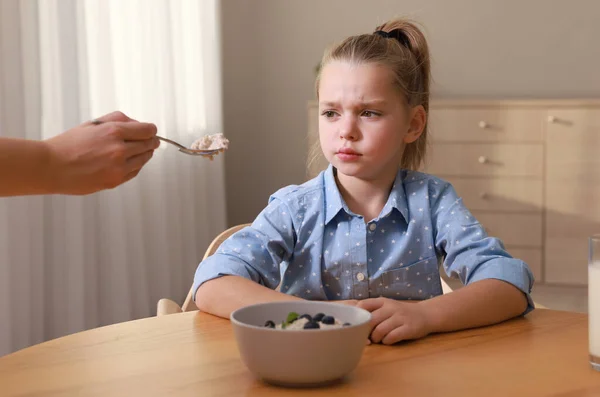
[374, 102]
[328, 104]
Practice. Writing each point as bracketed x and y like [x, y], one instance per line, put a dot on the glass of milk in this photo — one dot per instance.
[594, 301]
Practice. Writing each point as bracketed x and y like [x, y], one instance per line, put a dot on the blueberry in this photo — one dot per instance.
[270, 324]
[306, 316]
[328, 320]
[311, 325]
[347, 324]
[318, 317]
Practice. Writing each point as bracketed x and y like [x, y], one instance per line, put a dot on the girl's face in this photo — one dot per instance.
[364, 123]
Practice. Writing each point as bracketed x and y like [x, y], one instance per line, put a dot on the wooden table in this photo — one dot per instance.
[195, 354]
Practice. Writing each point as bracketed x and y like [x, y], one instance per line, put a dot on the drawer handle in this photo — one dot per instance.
[483, 124]
[557, 120]
[484, 196]
[482, 160]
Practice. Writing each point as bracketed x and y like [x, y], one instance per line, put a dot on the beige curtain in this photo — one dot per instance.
[73, 263]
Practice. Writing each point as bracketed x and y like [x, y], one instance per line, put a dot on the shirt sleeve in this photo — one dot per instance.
[254, 252]
[470, 254]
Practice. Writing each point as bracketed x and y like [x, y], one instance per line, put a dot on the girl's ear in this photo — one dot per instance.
[417, 120]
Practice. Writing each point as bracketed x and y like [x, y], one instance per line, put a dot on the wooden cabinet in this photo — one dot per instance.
[572, 191]
[493, 154]
[485, 159]
[485, 122]
[528, 170]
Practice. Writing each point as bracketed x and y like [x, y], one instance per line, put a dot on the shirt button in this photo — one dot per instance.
[360, 277]
[372, 226]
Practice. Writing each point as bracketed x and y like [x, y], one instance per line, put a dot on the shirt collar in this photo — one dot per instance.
[333, 198]
[397, 198]
[334, 202]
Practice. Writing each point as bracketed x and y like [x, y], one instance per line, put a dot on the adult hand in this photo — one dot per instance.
[101, 154]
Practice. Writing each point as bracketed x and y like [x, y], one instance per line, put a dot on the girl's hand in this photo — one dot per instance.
[393, 321]
[350, 302]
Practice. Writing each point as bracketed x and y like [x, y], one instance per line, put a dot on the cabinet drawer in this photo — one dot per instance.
[573, 143]
[472, 159]
[500, 194]
[572, 216]
[566, 260]
[517, 230]
[572, 192]
[486, 124]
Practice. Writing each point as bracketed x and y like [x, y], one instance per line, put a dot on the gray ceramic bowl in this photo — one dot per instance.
[300, 357]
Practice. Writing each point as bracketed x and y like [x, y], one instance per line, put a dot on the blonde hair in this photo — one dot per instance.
[409, 62]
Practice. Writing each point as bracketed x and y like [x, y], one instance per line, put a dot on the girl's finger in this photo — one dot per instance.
[381, 331]
[397, 335]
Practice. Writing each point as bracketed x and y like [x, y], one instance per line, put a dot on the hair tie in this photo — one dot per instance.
[397, 34]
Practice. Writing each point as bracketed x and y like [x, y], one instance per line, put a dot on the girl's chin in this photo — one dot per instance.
[349, 169]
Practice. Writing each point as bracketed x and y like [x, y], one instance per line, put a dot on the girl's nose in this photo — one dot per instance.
[348, 130]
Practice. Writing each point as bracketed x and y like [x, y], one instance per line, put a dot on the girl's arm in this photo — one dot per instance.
[245, 268]
[234, 292]
[496, 285]
[481, 303]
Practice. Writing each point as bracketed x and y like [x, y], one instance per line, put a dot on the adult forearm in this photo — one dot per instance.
[482, 303]
[222, 296]
[25, 167]
[85, 159]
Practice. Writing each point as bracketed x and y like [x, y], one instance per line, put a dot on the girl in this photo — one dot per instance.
[370, 230]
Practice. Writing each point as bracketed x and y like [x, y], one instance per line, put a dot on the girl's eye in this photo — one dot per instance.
[328, 114]
[368, 113]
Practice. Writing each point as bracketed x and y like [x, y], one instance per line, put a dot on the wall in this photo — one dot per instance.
[480, 49]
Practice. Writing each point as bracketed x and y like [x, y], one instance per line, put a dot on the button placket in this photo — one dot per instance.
[358, 242]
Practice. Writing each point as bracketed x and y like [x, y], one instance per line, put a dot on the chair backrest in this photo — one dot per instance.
[188, 304]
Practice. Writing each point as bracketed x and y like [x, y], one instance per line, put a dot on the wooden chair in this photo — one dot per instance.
[167, 306]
